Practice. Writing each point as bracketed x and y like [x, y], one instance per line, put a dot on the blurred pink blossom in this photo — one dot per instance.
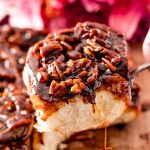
[23, 13]
[96, 5]
[125, 16]
[130, 17]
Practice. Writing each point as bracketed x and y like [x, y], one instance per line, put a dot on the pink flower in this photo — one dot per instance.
[130, 17]
[126, 15]
[23, 13]
[74, 12]
[59, 4]
[96, 5]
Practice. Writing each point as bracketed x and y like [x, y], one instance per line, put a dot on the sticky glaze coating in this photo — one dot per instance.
[15, 146]
[14, 44]
[16, 112]
[21, 37]
[80, 60]
[12, 60]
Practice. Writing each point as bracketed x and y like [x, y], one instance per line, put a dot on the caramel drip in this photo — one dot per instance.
[105, 138]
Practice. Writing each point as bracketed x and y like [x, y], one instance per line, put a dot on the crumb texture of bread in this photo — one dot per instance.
[78, 116]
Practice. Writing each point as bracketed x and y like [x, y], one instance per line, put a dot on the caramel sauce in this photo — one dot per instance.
[105, 138]
[16, 112]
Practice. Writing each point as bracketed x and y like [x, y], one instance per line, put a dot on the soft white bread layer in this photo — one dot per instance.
[78, 116]
[59, 120]
[48, 137]
[52, 138]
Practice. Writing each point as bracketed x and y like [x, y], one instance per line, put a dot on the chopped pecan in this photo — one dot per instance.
[67, 71]
[92, 44]
[94, 32]
[52, 71]
[87, 50]
[61, 58]
[82, 74]
[90, 79]
[82, 85]
[69, 82]
[57, 89]
[76, 81]
[58, 70]
[79, 46]
[48, 47]
[62, 37]
[53, 87]
[93, 75]
[61, 90]
[66, 46]
[109, 64]
[70, 63]
[85, 36]
[37, 45]
[95, 46]
[68, 38]
[76, 88]
[99, 41]
[74, 54]
[112, 55]
[103, 35]
[83, 61]
[42, 76]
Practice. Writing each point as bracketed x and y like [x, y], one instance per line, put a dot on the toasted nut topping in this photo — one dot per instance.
[66, 46]
[52, 71]
[109, 64]
[53, 87]
[76, 89]
[82, 85]
[42, 76]
[88, 52]
[82, 74]
[50, 46]
[69, 82]
[74, 54]
[78, 61]
[58, 70]
[76, 81]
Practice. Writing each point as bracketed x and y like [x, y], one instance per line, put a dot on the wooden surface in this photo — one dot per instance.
[133, 136]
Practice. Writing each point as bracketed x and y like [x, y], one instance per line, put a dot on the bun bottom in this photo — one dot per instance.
[77, 116]
[43, 141]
